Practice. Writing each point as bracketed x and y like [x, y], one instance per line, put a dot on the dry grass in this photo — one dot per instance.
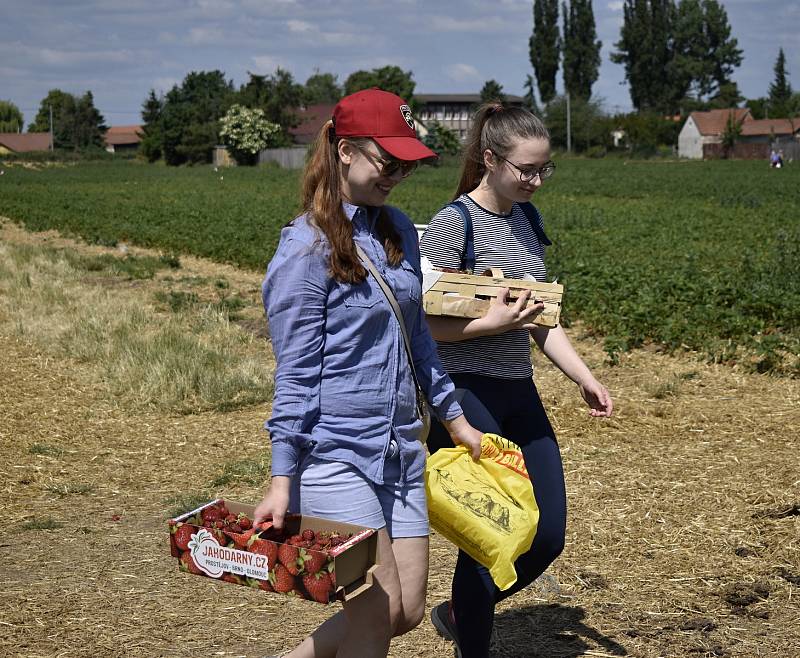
[683, 535]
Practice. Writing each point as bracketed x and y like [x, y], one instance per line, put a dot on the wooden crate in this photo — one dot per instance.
[468, 296]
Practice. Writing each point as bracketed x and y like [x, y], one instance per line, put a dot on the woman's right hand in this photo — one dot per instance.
[275, 502]
[462, 433]
[503, 317]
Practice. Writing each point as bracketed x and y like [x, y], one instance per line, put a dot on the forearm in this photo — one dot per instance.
[556, 346]
[453, 330]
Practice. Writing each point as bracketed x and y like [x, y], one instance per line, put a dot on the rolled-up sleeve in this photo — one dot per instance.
[435, 382]
[295, 293]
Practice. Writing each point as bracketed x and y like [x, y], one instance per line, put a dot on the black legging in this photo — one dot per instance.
[519, 416]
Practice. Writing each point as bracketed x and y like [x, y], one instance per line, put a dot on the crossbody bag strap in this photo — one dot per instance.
[387, 291]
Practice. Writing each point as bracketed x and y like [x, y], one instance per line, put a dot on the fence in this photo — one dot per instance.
[293, 157]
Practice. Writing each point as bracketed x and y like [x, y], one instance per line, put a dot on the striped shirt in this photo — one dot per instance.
[505, 241]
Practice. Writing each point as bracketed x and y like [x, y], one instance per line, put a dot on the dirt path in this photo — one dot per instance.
[682, 538]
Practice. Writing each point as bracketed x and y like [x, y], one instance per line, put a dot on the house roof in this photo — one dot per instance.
[770, 127]
[24, 142]
[118, 135]
[713, 122]
[312, 118]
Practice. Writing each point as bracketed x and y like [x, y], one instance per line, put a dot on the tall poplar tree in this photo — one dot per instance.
[780, 91]
[646, 50]
[581, 49]
[545, 46]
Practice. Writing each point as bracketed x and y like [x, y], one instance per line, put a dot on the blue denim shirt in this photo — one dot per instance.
[343, 386]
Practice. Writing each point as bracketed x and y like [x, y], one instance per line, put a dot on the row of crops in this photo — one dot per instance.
[688, 255]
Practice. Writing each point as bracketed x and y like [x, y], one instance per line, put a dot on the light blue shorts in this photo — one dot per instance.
[339, 491]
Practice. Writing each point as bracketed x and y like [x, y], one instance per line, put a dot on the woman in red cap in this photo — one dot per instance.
[345, 422]
[491, 223]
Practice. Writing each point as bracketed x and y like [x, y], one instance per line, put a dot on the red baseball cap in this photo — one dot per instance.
[385, 118]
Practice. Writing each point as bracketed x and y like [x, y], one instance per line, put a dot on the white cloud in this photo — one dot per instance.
[463, 72]
[617, 5]
[299, 26]
[53, 57]
[266, 63]
[206, 36]
[478, 24]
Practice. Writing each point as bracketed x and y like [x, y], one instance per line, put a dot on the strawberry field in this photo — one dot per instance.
[683, 508]
[683, 255]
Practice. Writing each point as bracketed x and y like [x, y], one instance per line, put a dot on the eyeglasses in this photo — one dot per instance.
[527, 175]
[388, 167]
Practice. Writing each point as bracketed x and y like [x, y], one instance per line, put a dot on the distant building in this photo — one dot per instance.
[311, 118]
[121, 139]
[453, 111]
[703, 129]
[24, 142]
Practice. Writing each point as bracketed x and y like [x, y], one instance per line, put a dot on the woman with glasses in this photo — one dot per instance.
[345, 426]
[492, 223]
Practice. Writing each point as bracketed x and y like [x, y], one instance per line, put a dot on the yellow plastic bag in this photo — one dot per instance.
[486, 508]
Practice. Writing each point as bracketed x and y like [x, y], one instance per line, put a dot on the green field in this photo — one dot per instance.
[688, 255]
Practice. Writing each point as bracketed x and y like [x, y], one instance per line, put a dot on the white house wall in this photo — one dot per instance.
[690, 141]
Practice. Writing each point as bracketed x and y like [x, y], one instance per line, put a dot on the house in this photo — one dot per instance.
[23, 142]
[701, 135]
[453, 111]
[311, 118]
[122, 139]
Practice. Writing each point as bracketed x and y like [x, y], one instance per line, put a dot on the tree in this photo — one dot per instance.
[645, 49]
[388, 78]
[581, 49]
[544, 47]
[529, 96]
[441, 140]
[77, 124]
[758, 107]
[733, 128]
[722, 53]
[152, 144]
[279, 96]
[11, 118]
[780, 91]
[728, 95]
[246, 131]
[588, 124]
[190, 116]
[322, 88]
[492, 91]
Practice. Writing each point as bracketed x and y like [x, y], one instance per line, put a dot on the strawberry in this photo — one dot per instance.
[183, 535]
[319, 586]
[187, 564]
[221, 537]
[281, 580]
[243, 521]
[230, 519]
[308, 534]
[288, 556]
[313, 561]
[265, 547]
[232, 578]
[241, 538]
[210, 514]
[265, 585]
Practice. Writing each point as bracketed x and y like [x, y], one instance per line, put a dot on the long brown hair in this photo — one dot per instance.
[497, 128]
[322, 200]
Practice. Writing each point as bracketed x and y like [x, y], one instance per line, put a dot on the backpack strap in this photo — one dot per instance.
[532, 213]
[468, 255]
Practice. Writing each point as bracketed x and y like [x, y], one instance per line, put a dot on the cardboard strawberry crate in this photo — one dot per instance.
[335, 561]
[459, 295]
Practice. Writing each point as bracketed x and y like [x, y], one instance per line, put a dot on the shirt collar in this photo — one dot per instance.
[368, 214]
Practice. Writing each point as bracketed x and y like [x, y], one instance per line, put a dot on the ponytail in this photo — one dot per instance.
[322, 201]
[497, 128]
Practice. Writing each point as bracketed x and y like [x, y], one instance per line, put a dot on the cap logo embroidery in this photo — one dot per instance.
[405, 110]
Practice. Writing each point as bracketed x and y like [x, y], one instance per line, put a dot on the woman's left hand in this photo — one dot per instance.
[597, 397]
[462, 433]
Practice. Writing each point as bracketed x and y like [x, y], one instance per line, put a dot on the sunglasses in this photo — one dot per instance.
[388, 167]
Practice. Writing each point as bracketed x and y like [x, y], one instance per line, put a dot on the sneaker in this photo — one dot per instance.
[445, 623]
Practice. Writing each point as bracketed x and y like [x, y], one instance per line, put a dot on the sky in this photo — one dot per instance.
[119, 50]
